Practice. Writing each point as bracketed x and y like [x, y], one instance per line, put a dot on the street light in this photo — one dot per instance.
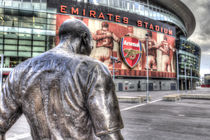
[147, 69]
[191, 77]
[185, 60]
[177, 59]
[114, 60]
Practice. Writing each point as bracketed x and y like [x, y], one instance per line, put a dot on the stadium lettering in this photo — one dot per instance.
[111, 17]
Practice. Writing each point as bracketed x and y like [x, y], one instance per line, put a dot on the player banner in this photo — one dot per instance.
[128, 44]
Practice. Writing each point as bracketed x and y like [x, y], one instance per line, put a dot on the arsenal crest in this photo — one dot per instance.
[131, 50]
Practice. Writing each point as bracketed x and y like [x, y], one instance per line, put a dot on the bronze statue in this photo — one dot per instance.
[64, 94]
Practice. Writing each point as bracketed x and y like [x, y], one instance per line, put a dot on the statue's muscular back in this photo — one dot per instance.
[55, 95]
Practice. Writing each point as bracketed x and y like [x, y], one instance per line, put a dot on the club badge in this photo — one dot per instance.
[131, 50]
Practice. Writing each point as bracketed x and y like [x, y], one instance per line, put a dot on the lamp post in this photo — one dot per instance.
[114, 60]
[191, 77]
[177, 59]
[185, 60]
[147, 94]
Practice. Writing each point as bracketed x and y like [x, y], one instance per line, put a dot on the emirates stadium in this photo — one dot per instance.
[131, 37]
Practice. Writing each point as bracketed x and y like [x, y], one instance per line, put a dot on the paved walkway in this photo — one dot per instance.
[155, 95]
[182, 120]
[156, 121]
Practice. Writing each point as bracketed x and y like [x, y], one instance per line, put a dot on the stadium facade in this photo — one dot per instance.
[125, 33]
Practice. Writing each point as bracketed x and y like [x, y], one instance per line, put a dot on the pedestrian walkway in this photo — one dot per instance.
[156, 95]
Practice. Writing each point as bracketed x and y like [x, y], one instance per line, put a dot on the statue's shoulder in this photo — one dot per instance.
[93, 63]
[90, 60]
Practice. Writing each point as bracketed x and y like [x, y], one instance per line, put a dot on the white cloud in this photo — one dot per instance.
[201, 35]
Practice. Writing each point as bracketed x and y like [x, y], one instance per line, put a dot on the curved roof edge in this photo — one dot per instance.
[182, 11]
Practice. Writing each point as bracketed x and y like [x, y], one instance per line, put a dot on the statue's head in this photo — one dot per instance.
[77, 35]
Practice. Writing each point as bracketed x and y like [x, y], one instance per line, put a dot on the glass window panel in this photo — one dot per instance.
[25, 25]
[24, 54]
[8, 3]
[39, 37]
[16, 24]
[53, 16]
[8, 23]
[39, 43]
[40, 26]
[51, 27]
[25, 30]
[36, 6]
[37, 1]
[40, 20]
[27, 5]
[16, 3]
[26, 14]
[1, 47]
[24, 48]
[10, 47]
[137, 7]
[41, 14]
[10, 35]
[51, 21]
[26, 19]
[38, 31]
[10, 18]
[24, 36]
[38, 49]
[10, 41]
[10, 53]
[36, 54]
[50, 33]
[1, 41]
[26, 0]
[141, 9]
[43, 6]
[24, 42]
[146, 12]
[1, 10]
[131, 6]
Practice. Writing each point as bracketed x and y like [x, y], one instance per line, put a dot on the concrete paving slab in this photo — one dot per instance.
[129, 99]
[182, 120]
[196, 96]
[176, 97]
[144, 97]
[173, 97]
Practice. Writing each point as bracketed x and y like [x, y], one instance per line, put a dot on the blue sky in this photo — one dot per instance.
[201, 35]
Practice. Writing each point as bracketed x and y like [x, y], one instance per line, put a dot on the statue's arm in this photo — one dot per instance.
[9, 110]
[103, 105]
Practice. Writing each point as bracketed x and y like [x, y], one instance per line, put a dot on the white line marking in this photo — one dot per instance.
[129, 108]
[17, 137]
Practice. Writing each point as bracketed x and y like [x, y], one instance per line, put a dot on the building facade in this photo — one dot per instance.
[206, 82]
[140, 35]
[27, 29]
[189, 56]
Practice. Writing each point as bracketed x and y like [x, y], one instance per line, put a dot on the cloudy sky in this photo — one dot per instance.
[201, 35]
